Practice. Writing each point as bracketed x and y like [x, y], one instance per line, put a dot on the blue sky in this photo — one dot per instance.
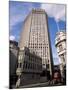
[18, 11]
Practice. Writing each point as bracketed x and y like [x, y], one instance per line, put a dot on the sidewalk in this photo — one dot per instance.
[35, 85]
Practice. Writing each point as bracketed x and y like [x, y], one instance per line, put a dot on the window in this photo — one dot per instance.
[60, 48]
[19, 65]
[26, 65]
[58, 39]
[20, 57]
[47, 66]
[63, 58]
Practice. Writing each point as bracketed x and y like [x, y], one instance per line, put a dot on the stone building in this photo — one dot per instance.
[29, 66]
[35, 36]
[13, 53]
[60, 43]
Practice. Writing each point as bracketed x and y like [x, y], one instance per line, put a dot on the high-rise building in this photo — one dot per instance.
[35, 36]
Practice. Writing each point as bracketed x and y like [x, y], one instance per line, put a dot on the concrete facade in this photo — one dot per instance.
[35, 36]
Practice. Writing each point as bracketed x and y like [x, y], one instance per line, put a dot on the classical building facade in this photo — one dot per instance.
[29, 66]
[35, 36]
[13, 54]
[60, 43]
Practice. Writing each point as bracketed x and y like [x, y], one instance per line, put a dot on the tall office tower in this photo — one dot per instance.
[35, 36]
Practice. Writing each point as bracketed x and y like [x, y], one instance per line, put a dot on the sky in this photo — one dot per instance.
[18, 11]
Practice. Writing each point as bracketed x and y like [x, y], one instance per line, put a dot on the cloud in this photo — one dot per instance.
[19, 11]
[12, 37]
[16, 19]
[55, 10]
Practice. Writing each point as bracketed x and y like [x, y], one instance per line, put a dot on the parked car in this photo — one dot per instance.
[56, 78]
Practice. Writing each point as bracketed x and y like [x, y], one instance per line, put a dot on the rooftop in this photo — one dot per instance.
[13, 42]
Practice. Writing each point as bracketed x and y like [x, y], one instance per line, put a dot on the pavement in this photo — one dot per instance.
[45, 84]
[39, 84]
[35, 85]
